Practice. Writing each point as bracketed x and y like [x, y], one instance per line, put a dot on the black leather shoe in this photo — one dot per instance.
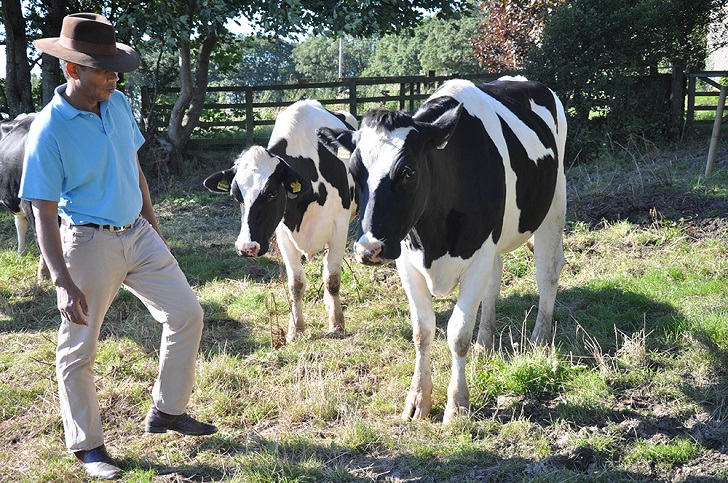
[98, 463]
[159, 422]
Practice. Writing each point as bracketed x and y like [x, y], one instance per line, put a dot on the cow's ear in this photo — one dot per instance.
[294, 183]
[336, 139]
[438, 133]
[220, 181]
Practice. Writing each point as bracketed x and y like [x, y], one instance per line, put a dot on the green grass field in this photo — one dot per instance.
[633, 388]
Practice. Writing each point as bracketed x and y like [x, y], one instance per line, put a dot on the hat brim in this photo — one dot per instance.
[125, 60]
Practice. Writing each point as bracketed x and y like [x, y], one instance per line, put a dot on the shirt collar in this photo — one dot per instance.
[66, 109]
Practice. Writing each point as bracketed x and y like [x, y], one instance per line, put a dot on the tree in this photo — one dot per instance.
[597, 54]
[18, 89]
[397, 54]
[512, 29]
[357, 18]
[318, 57]
[46, 20]
[194, 29]
[262, 60]
[440, 45]
[447, 48]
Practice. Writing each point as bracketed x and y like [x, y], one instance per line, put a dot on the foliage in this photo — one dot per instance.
[262, 60]
[603, 57]
[439, 45]
[512, 28]
[357, 18]
[318, 57]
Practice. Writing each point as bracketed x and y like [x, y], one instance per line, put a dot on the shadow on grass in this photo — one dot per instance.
[258, 458]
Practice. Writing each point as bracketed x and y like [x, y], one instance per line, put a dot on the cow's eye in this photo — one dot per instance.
[272, 195]
[408, 172]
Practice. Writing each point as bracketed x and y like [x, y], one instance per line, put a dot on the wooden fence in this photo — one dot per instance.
[232, 114]
[702, 85]
[235, 116]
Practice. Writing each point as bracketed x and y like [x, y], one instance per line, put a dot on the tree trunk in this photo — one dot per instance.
[51, 75]
[187, 109]
[18, 88]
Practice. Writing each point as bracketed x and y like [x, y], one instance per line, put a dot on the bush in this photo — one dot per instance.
[602, 57]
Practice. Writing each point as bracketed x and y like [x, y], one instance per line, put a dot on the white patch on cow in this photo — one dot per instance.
[254, 167]
[516, 78]
[297, 125]
[488, 110]
[379, 148]
[349, 118]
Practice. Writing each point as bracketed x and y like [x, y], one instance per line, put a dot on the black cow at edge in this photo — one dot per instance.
[12, 150]
[475, 173]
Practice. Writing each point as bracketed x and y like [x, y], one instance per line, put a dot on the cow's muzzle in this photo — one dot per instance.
[250, 249]
[369, 253]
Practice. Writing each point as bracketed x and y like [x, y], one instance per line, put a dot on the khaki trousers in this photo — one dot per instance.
[100, 262]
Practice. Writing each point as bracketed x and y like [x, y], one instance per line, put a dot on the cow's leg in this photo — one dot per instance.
[21, 227]
[460, 327]
[419, 399]
[332, 282]
[486, 332]
[296, 284]
[548, 252]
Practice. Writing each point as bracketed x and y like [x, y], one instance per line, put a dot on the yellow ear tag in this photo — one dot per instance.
[343, 154]
[296, 187]
[223, 185]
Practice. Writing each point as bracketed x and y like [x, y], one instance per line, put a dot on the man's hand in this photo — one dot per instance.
[72, 304]
[69, 298]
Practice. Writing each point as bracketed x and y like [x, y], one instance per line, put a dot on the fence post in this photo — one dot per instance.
[691, 105]
[412, 93]
[716, 131]
[249, 117]
[677, 89]
[352, 98]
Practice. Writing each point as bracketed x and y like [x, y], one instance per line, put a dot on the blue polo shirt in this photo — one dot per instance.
[86, 163]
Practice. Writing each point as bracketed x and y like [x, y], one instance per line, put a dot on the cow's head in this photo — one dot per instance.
[261, 183]
[389, 163]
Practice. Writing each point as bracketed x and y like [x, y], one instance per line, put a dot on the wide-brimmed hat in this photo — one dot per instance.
[89, 39]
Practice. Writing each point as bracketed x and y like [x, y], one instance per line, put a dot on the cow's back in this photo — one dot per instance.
[500, 167]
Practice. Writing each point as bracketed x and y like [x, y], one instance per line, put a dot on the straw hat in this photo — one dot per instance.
[88, 39]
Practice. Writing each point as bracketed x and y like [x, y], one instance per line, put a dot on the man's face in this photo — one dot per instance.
[96, 84]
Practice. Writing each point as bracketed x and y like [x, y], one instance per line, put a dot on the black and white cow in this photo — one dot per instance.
[12, 150]
[475, 173]
[299, 189]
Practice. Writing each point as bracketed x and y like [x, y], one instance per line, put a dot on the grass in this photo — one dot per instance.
[636, 379]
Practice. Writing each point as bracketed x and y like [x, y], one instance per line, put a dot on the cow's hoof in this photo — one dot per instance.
[293, 335]
[540, 337]
[453, 413]
[413, 411]
[336, 334]
[484, 345]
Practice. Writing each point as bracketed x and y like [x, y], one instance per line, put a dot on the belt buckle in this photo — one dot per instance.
[118, 229]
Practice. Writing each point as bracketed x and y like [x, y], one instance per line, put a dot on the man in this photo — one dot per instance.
[81, 165]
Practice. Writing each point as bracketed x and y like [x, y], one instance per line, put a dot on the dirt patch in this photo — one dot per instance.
[648, 193]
